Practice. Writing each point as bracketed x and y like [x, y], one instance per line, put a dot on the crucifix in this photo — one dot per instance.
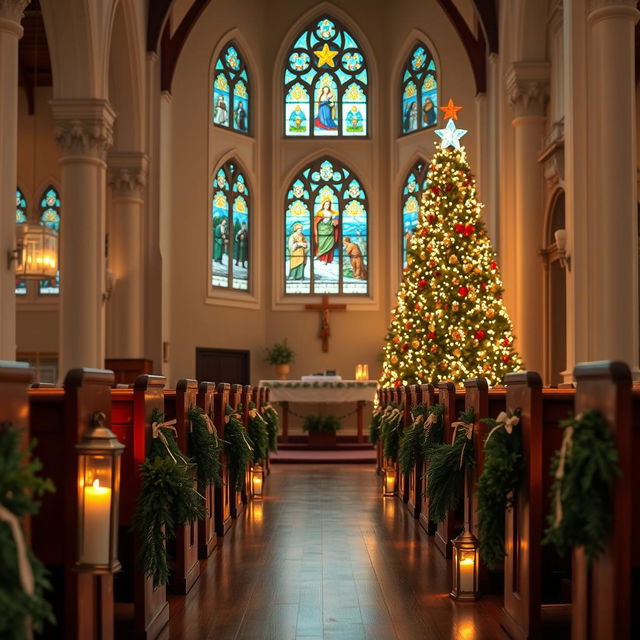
[324, 309]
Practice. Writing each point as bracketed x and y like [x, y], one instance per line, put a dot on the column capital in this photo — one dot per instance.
[625, 5]
[13, 10]
[528, 87]
[84, 126]
[127, 173]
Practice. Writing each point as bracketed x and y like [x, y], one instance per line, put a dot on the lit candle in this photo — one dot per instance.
[97, 507]
[466, 572]
[358, 372]
[257, 483]
[365, 371]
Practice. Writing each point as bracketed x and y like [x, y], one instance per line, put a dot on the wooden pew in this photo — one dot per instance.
[222, 494]
[266, 392]
[382, 399]
[59, 417]
[403, 480]
[235, 497]
[529, 569]
[207, 539]
[184, 548]
[257, 397]
[132, 412]
[247, 394]
[427, 395]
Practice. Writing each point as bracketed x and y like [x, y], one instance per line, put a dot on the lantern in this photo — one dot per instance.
[36, 254]
[257, 480]
[465, 566]
[389, 486]
[98, 491]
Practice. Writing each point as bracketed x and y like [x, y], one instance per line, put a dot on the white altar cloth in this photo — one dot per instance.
[300, 391]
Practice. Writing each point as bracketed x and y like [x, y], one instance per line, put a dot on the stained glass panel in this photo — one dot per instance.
[21, 218]
[419, 106]
[414, 187]
[50, 217]
[231, 90]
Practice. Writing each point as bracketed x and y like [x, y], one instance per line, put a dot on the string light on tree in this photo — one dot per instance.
[450, 322]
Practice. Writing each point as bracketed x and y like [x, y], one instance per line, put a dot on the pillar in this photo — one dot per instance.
[128, 178]
[84, 129]
[11, 12]
[528, 90]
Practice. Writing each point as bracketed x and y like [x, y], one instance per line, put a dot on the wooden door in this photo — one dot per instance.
[227, 365]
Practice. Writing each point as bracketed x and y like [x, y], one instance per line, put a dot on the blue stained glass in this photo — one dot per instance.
[349, 42]
[288, 76]
[308, 77]
[412, 192]
[326, 29]
[362, 77]
[419, 99]
[301, 42]
[50, 217]
[21, 218]
[342, 76]
[231, 91]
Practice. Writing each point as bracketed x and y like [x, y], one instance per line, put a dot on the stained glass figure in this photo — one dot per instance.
[325, 83]
[231, 91]
[419, 108]
[326, 243]
[50, 217]
[21, 218]
[414, 187]
[231, 255]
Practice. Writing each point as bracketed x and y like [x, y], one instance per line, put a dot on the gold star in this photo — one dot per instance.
[450, 111]
[326, 56]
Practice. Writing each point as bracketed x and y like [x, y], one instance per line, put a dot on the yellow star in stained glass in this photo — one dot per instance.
[326, 56]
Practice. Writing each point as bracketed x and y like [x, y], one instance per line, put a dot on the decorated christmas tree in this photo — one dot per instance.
[450, 322]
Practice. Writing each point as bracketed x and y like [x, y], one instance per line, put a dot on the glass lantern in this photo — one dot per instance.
[37, 252]
[390, 485]
[99, 457]
[465, 565]
[257, 480]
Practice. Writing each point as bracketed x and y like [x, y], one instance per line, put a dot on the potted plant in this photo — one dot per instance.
[322, 431]
[281, 355]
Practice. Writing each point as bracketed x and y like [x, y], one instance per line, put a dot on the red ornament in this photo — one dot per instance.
[506, 359]
[467, 183]
[431, 218]
[431, 335]
[396, 340]
[405, 346]
[422, 284]
[397, 383]
[445, 307]
[423, 232]
[480, 334]
[493, 266]
[469, 230]
[417, 306]
[459, 228]
[483, 286]
[435, 190]
[463, 291]
[431, 263]
[505, 342]
[436, 274]
[449, 187]
[408, 325]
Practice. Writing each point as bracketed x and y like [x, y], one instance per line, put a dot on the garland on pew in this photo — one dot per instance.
[423, 434]
[23, 580]
[206, 449]
[499, 482]
[374, 424]
[447, 467]
[167, 499]
[273, 425]
[258, 434]
[237, 448]
[584, 470]
[391, 429]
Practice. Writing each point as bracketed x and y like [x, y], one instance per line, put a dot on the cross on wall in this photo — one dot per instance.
[324, 307]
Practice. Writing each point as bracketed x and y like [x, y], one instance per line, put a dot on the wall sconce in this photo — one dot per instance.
[389, 487]
[257, 480]
[99, 454]
[36, 252]
[465, 566]
[561, 243]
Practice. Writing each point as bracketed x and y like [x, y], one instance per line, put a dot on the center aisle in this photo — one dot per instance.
[323, 556]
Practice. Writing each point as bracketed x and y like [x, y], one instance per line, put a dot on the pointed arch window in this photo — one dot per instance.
[21, 218]
[231, 241]
[231, 89]
[414, 187]
[50, 217]
[419, 99]
[326, 244]
[326, 83]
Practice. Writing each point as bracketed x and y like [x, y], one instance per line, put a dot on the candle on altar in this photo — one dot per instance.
[358, 372]
[365, 371]
[95, 535]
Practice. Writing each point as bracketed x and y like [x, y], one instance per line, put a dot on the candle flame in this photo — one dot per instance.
[96, 483]
[466, 561]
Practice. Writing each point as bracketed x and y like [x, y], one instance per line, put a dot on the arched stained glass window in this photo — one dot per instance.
[419, 90]
[326, 244]
[231, 255]
[414, 187]
[231, 91]
[21, 218]
[325, 83]
[50, 217]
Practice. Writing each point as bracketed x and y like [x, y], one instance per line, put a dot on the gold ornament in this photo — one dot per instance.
[456, 281]
[434, 348]
[455, 305]
[423, 255]
[443, 365]
[409, 259]
[446, 242]
[394, 359]
[415, 344]
[432, 327]
[457, 353]
[467, 267]
[453, 259]
[490, 313]
[482, 354]
[472, 296]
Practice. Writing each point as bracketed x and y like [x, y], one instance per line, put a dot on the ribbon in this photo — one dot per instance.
[428, 424]
[565, 450]
[211, 428]
[506, 422]
[157, 433]
[253, 413]
[24, 566]
[377, 411]
[237, 416]
[469, 433]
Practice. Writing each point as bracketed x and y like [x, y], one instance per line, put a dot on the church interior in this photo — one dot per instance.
[313, 320]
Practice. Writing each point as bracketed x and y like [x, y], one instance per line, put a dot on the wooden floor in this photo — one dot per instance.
[323, 556]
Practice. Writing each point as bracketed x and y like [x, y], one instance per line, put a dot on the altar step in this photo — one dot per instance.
[342, 454]
[341, 446]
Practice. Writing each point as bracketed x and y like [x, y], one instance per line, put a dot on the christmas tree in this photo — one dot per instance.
[450, 322]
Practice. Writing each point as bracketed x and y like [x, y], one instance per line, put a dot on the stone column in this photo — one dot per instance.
[128, 178]
[11, 12]
[528, 90]
[84, 129]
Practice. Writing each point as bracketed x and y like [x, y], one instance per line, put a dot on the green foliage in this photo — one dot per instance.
[167, 500]
[321, 424]
[237, 448]
[258, 435]
[273, 426]
[419, 438]
[280, 353]
[391, 428]
[583, 495]
[445, 474]
[374, 425]
[20, 484]
[206, 449]
[499, 482]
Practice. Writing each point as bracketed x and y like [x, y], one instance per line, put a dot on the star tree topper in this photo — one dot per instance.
[450, 135]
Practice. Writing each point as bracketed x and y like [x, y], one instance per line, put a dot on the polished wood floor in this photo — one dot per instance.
[323, 556]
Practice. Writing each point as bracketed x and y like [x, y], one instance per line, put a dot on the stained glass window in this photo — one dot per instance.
[419, 91]
[325, 83]
[326, 244]
[21, 218]
[50, 217]
[231, 255]
[231, 91]
[414, 187]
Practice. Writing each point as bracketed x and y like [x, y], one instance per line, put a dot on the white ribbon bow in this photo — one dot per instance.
[506, 422]
[469, 433]
[24, 566]
[565, 450]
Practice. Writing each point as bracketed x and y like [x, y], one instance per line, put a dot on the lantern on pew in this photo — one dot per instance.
[99, 455]
[389, 487]
[257, 480]
[465, 566]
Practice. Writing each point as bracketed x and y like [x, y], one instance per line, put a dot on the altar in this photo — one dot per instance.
[321, 391]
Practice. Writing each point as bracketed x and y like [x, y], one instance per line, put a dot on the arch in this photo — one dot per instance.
[414, 185]
[555, 217]
[326, 230]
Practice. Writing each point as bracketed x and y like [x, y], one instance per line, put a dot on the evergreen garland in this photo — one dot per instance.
[498, 484]
[19, 485]
[391, 429]
[206, 449]
[237, 448]
[584, 471]
[167, 500]
[258, 435]
[419, 438]
[273, 426]
[374, 425]
[446, 471]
